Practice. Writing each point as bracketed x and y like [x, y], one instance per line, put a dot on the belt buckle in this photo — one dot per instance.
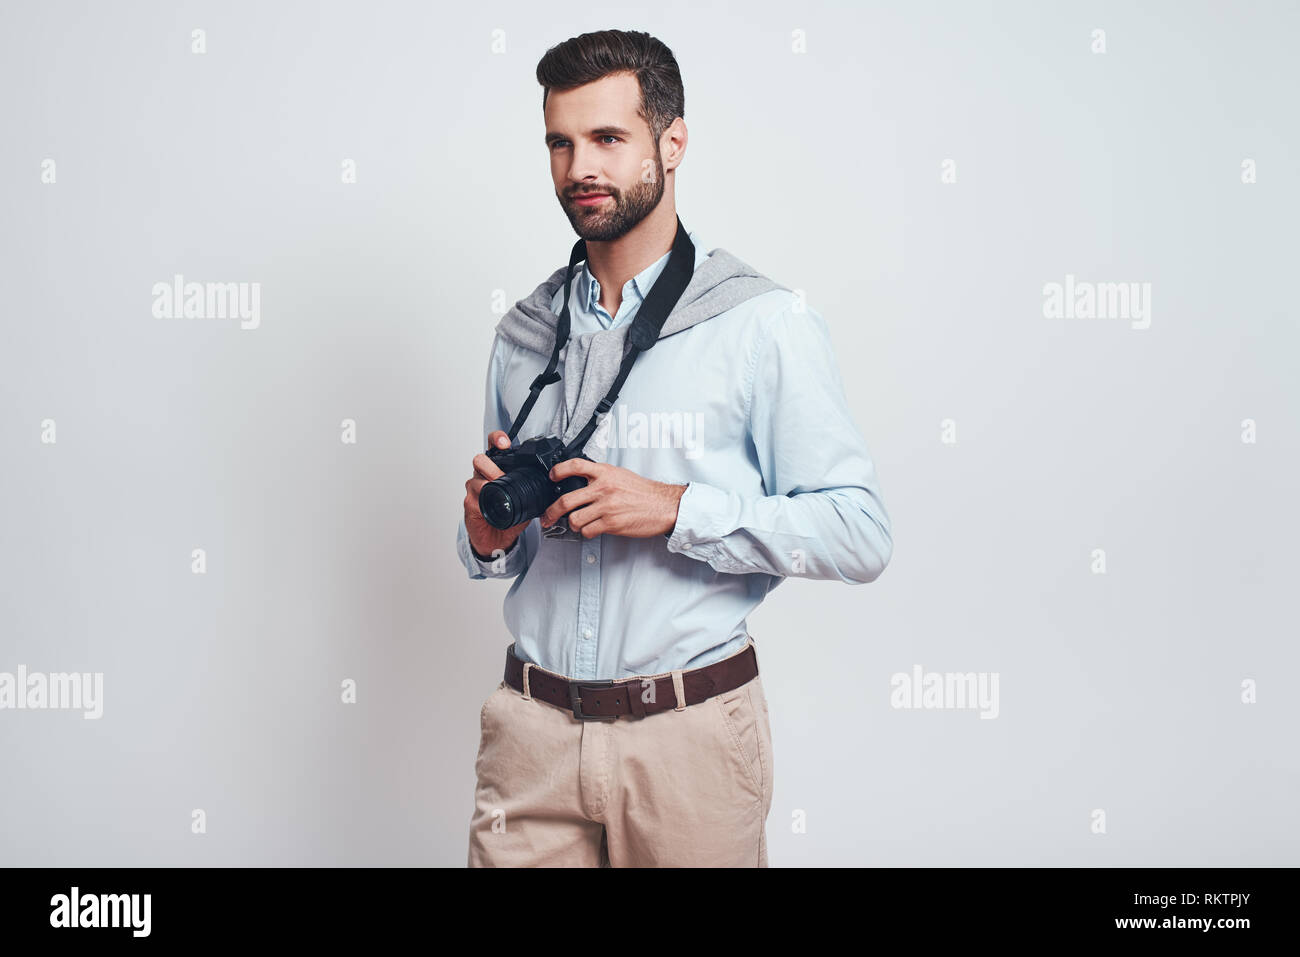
[575, 700]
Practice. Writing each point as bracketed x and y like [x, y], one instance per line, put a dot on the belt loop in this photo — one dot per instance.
[679, 690]
[527, 695]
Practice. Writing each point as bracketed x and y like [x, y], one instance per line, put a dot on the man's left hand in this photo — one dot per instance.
[615, 501]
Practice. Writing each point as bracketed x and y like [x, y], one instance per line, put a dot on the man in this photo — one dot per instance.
[631, 728]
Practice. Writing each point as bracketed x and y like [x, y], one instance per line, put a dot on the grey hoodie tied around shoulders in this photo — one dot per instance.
[591, 362]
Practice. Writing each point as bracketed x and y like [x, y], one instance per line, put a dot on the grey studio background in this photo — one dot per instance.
[922, 171]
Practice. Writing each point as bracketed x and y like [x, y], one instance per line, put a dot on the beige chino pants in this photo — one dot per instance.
[685, 787]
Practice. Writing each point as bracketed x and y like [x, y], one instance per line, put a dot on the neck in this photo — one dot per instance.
[614, 263]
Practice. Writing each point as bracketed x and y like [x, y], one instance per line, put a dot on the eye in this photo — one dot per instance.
[611, 136]
[555, 143]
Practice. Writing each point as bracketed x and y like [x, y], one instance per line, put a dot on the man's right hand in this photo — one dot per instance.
[484, 538]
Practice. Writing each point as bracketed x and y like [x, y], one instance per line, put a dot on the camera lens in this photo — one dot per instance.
[516, 497]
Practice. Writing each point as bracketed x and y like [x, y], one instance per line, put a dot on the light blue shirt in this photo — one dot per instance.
[747, 410]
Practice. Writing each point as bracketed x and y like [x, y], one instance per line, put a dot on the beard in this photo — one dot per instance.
[616, 218]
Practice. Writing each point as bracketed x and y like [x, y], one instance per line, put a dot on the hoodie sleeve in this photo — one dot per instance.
[515, 559]
[823, 516]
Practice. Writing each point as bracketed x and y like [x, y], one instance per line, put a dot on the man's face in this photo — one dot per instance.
[607, 170]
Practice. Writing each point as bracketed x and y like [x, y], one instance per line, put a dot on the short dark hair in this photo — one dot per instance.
[592, 56]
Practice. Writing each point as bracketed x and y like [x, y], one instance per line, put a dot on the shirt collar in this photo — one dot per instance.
[640, 284]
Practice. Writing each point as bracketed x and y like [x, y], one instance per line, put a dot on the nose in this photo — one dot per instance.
[583, 164]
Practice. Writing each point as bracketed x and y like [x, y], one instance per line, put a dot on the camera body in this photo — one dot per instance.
[526, 490]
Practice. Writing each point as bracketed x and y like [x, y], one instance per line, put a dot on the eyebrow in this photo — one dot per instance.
[598, 131]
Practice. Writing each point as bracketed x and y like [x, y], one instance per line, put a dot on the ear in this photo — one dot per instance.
[672, 144]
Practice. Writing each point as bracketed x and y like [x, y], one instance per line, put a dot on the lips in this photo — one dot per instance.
[590, 199]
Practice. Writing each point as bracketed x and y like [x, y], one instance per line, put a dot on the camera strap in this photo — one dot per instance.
[561, 339]
[643, 334]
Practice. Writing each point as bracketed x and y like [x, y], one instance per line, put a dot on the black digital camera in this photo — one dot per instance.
[526, 489]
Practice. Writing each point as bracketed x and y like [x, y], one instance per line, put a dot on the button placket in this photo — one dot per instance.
[588, 609]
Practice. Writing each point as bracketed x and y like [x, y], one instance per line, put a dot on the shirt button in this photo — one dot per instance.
[686, 546]
[586, 632]
[591, 559]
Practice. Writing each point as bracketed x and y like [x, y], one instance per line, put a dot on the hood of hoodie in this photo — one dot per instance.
[592, 360]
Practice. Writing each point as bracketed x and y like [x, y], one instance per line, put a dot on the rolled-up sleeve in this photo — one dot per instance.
[823, 516]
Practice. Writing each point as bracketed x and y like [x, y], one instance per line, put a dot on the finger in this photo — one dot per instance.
[592, 529]
[577, 467]
[473, 510]
[484, 467]
[585, 515]
[567, 503]
[498, 439]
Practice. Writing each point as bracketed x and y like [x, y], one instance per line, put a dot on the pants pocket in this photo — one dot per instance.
[744, 727]
[484, 717]
[759, 698]
[490, 698]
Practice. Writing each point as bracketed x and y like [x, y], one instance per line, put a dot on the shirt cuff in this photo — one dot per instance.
[695, 533]
[474, 551]
[510, 563]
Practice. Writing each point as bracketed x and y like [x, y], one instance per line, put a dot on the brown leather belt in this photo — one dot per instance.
[627, 697]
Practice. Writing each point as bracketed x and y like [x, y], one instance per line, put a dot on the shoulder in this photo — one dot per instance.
[783, 313]
[503, 349]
